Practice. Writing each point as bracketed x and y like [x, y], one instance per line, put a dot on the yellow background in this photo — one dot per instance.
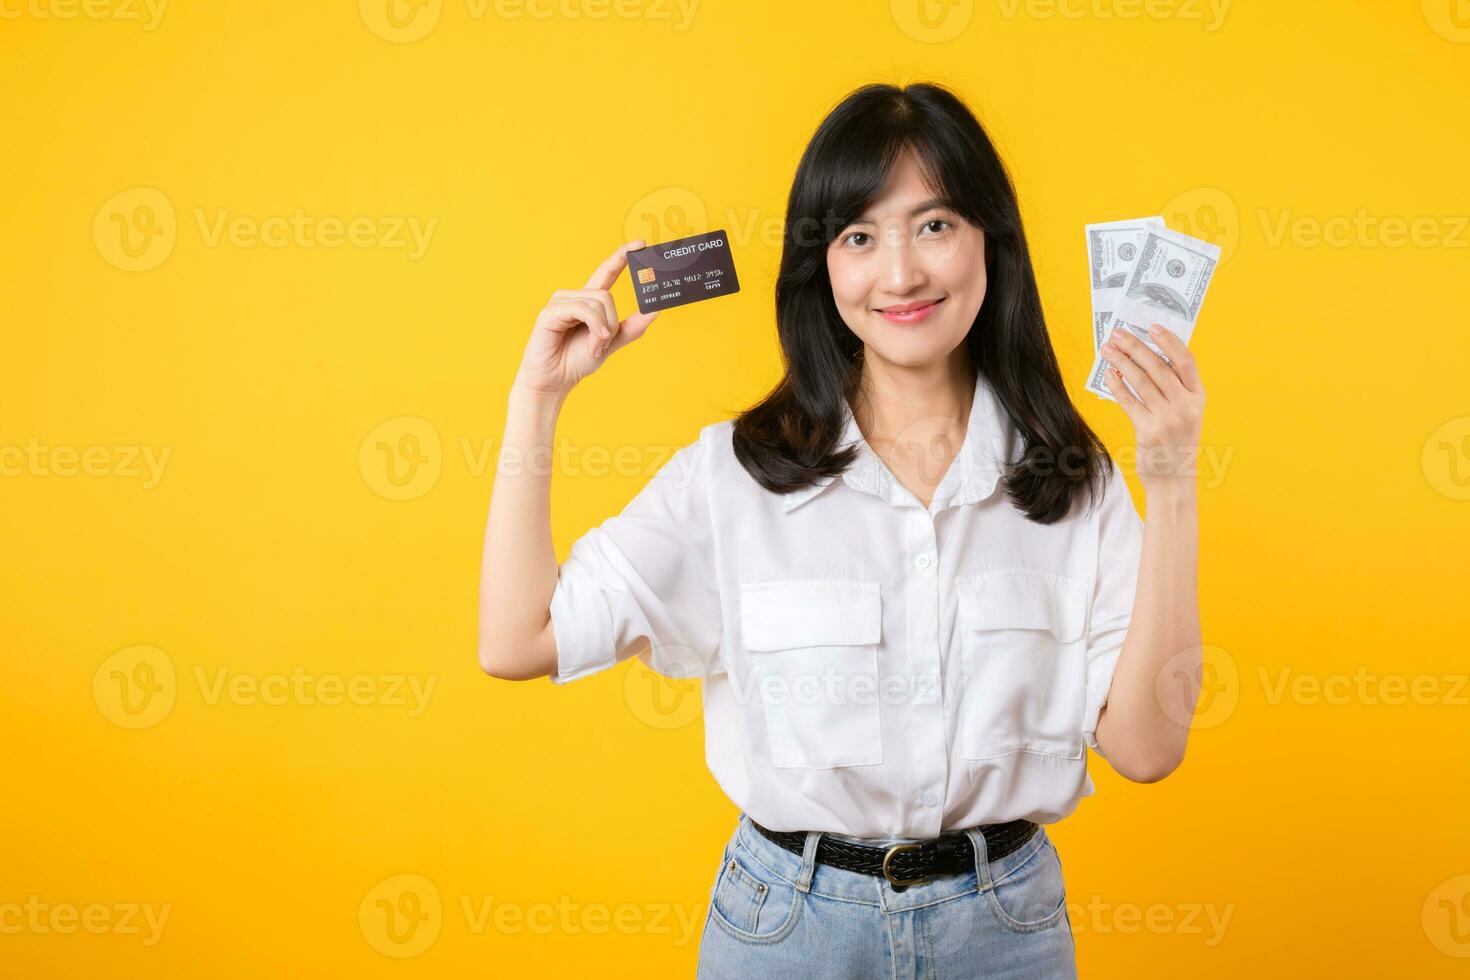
[1331, 830]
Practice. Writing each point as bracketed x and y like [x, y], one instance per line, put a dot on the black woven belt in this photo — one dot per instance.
[909, 864]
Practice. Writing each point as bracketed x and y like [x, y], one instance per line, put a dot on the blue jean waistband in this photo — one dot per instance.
[802, 870]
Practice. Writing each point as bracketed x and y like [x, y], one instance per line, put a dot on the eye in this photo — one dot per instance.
[857, 234]
[937, 221]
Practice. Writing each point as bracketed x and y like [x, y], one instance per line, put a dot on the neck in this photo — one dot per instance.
[893, 399]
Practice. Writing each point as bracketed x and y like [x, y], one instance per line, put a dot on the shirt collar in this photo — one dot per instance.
[971, 477]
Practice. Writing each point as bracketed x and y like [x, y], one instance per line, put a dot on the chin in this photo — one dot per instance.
[911, 351]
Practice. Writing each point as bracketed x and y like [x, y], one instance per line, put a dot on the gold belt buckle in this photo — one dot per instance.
[888, 855]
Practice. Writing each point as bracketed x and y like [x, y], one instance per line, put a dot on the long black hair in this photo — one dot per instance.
[790, 438]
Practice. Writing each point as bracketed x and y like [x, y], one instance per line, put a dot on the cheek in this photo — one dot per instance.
[980, 277]
[963, 273]
[849, 284]
[963, 263]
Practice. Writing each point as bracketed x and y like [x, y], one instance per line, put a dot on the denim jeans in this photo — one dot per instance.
[774, 914]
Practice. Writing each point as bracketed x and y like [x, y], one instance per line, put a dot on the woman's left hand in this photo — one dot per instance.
[1167, 412]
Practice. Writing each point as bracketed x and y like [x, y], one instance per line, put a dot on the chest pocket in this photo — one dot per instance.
[1023, 664]
[813, 644]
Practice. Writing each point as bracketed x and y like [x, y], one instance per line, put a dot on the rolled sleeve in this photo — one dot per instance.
[642, 583]
[1119, 551]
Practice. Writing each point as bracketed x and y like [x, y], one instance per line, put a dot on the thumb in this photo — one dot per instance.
[635, 325]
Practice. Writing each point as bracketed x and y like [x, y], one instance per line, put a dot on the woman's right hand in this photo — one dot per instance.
[578, 329]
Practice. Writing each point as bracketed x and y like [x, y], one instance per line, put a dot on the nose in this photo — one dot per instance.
[901, 269]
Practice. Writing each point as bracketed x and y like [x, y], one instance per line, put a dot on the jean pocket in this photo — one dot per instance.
[814, 647]
[750, 902]
[1032, 895]
[1024, 677]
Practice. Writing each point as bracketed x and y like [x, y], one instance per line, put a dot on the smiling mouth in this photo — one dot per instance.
[910, 312]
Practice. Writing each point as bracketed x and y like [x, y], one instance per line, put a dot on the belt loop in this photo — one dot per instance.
[982, 859]
[808, 861]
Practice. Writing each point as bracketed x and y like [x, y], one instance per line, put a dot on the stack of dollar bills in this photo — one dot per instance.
[1144, 273]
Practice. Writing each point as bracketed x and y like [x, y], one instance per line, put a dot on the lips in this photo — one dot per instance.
[910, 312]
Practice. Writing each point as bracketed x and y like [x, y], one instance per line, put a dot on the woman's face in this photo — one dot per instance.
[908, 276]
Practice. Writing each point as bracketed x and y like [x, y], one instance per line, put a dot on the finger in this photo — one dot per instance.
[1179, 356]
[597, 326]
[1157, 369]
[631, 329]
[607, 273]
[610, 310]
[1131, 406]
[1148, 392]
[601, 296]
[565, 314]
[570, 312]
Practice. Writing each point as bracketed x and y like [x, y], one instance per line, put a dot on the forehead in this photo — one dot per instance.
[903, 190]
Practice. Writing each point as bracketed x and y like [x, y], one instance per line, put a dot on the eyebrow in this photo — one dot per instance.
[928, 205]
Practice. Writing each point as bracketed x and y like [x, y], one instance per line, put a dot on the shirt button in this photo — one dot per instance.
[929, 798]
[924, 561]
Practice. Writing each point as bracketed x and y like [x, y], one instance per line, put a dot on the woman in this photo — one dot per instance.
[911, 578]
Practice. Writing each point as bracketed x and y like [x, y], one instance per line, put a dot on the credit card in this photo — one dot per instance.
[685, 270]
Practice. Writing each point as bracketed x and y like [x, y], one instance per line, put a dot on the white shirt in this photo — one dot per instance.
[872, 667]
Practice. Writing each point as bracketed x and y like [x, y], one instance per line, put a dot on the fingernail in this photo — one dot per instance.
[1155, 329]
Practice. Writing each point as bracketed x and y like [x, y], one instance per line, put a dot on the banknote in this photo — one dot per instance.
[1112, 248]
[1166, 285]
